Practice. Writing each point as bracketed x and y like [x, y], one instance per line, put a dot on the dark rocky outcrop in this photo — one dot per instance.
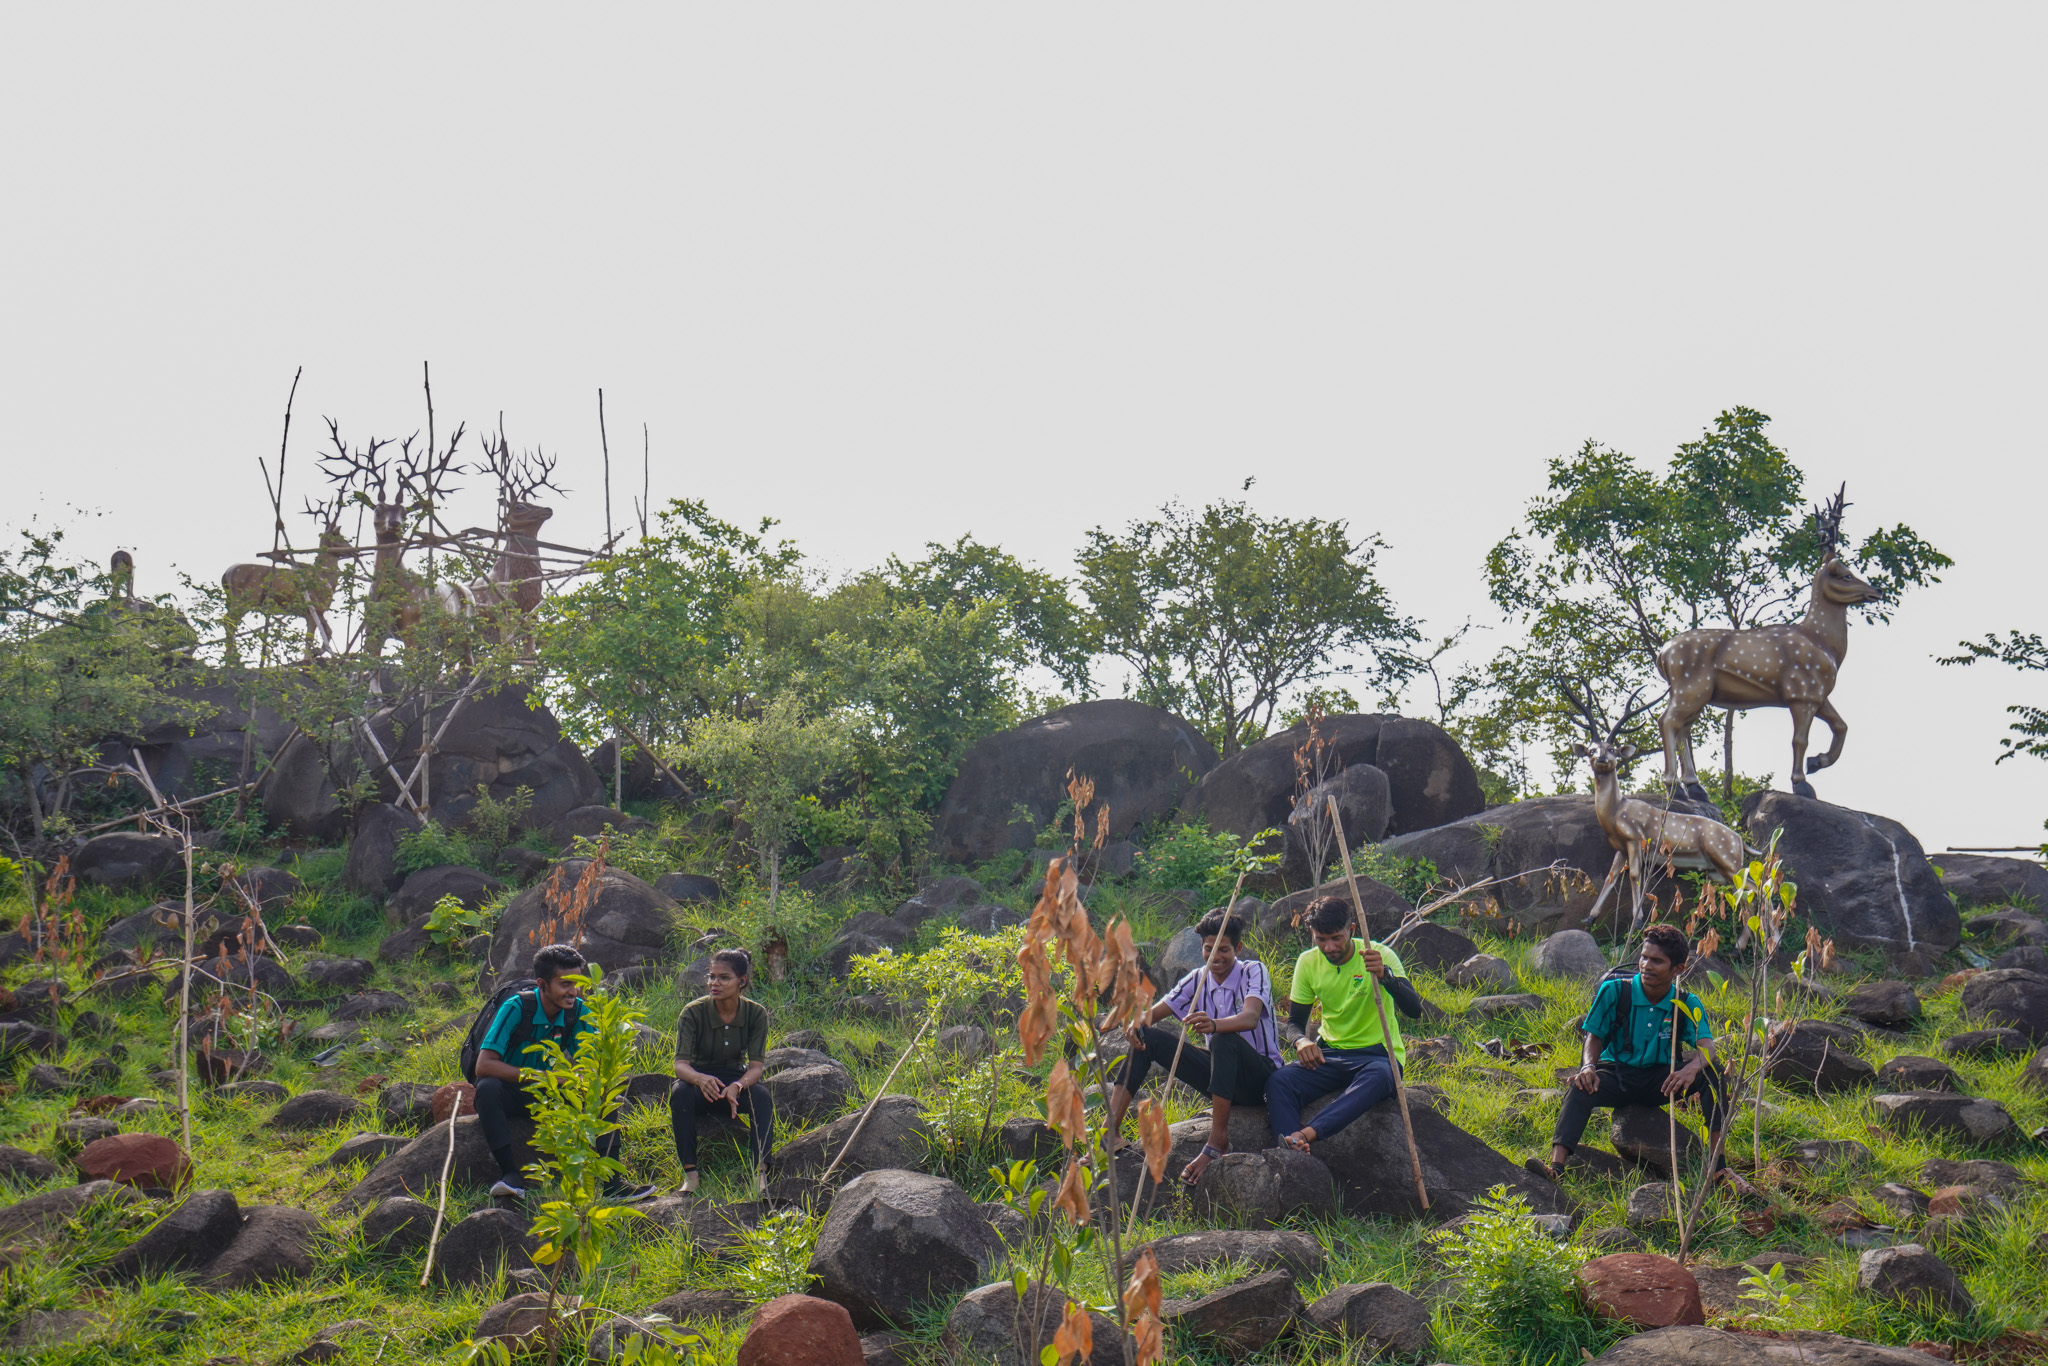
[275, 1244]
[894, 1240]
[126, 860]
[1140, 758]
[399, 1224]
[1909, 1072]
[501, 740]
[475, 1250]
[416, 1168]
[689, 888]
[643, 779]
[1242, 1318]
[190, 1236]
[987, 1324]
[1891, 1004]
[1383, 1319]
[1815, 1056]
[423, 890]
[2010, 998]
[1365, 805]
[314, 1110]
[894, 1138]
[1862, 878]
[1508, 840]
[1262, 1189]
[1911, 1276]
[627, 922]
[373, 850]
[1986, 880]
[1970, 1118]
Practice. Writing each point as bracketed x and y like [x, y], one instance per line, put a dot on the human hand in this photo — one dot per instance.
[1308, 1053]
[1200, 1022]
[1587, 1078]
[731, 1096]
[1373, 962]
[1682, 1079]
[711, 1088]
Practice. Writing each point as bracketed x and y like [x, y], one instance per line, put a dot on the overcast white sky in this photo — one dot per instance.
[891, 273]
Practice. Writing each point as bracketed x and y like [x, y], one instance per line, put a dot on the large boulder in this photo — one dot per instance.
[1140, 759]
[994, 1324]
[475, 1250]
[1385, 1320]
[1512, 840]
[39, 1216]
[126, 860]
[810, 1093]
[1969, 1118]
[1430, 947]
[1641, 1289]
[1696, 1346]
[625, 923]
[275, 1244]
[1385, 909]
[895, 1137]
[423, 890]
[1815, 1056]
[896, 1240]
[314, 1110]
[189, 1236]
[415, 1169]
[2010, 998]
[1262, 1189]
[644, 780]
[1242, 1318]
[504, 741]
[1910, 1276]
[1892, 1004]
[399, 1224]
[800, 1330]
[1863, 879]
[373, 850]
[1571, 953]
[590, 822]
[1365, 805]
[1985, 880]
[298, 792]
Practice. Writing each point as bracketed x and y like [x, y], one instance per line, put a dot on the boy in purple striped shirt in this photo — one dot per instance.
[1231, 1006]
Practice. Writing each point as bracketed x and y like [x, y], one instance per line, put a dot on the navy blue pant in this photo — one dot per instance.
[1361, 1078]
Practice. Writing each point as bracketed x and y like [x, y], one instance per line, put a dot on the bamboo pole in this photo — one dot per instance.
[1380, 1004]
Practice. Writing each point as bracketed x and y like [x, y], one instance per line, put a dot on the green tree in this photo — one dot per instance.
[2029, 652]
[1616, 559]
[768, 762]
[1222, 613]
[1044, 625]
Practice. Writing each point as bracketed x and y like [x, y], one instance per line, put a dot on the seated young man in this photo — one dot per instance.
[552, 1009]
[1352, 1059]
[1627, 1048]
[1230, 1004]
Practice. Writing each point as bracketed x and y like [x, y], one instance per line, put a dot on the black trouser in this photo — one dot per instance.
[498, 1103]
[1621, 1086]
[1230, 1068]
[686, 1105]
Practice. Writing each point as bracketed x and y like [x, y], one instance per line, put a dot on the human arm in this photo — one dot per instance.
[489, 1064]
[687, 1029]
[1295, 1031]
[1695, 1032]
[497, 1042]
[1387, 971]
[1243, 1020]
[1587, 1078]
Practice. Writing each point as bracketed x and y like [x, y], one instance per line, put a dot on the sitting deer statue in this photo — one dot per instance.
[1792, 666]
[1645, 834]
[289, 589]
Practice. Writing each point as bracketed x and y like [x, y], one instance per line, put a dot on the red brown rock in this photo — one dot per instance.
[1641, 1288]
[446, 1099]
[135, 1160]
[800, 1330]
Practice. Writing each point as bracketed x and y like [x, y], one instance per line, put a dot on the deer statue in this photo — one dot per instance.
[289, 589]
[1792, 666]
[392, 606]
[1646, 834]
[515, 580]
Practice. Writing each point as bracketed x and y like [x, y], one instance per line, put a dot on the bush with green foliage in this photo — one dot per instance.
[1189, 854]
[431, 846]
[775, 1255]
[1413, 877]
[1517, 1284]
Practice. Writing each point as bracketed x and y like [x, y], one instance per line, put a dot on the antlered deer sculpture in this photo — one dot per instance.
[1792, 666]
[289, 589]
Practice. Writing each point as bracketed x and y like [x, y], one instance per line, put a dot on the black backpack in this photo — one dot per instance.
[522, 1030]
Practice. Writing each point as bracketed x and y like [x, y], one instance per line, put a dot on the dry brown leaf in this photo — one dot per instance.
[1073, 1194]
[1154, 1134]
[1040, 1016]
[1142, 1295]
[1075, 1339]
[1064, 1108]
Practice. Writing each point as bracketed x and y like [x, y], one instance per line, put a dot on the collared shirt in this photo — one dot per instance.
[499, 1036]
[1648, 1031]
[1246, 979]
[1345, 992]
[705, 1040]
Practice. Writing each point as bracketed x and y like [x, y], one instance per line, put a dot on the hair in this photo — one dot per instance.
[739, 960]
[1671, 940]
[1220, 921]
[1328, 914]
[556, 959]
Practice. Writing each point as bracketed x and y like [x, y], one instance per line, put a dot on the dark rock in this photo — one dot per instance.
[644, 780]
[407, 1105]
[1882, 1003]
[1986, 1043]
[515, 1320]
[2034, 1076]
[1299, 1254]
[267, 1091]
[1908, 1072]
[296, 936]
[1240, 1319]
[74, 1134]
[2028, 956]
[1642, 1135]
[1480, 970]
[501, 740]
[967, 1043]
[702, 1304]
[1641, 1289]
[2012, 998]
[1814, 1056]
[190, 1236]
[888, 1349]
[1696, 1346]
[422, 891]
[2006, 928]
[688, 889]
[1385, 909]
[1365, 806]
[371, 1005]
[415, 1169]
[894, 1138]
[1386, 1320]
[43, 1079]
[590, 822]
[986, 917]
[17, 1036]
[1613, 1239]
[275, 1243]
[48, 1213]
[1821, 1154]
[1912, 1276]
[399, 1225]
[838, 876]
[800, 1330]
[994, 1324]
[1140, 759]
[1569, 953]
[2001, 1178]
[141, 1160]
[407, 943]
[314, 1110]
[18, 1164]
[476, 1250]
[126, 860]
[373, 850]
[372, 1148]
[1261, 1189]
[1505, 841]
[1863, 879]
[522, 864]
[627, 923]
[1514, 1003]
[1966, 1117]
[54, 1328]
[806, 1095]
[1430, 947]
[1986, 880]
[265, 888]
[1028, 1138]
[896, 1239]
[332, 976]
[1902, 1200]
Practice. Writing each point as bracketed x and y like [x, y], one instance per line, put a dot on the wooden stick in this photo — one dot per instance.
[1380, 1004]
[880, 1091]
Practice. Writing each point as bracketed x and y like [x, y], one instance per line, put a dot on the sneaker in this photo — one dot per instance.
[505, 1190]
[628, 1195]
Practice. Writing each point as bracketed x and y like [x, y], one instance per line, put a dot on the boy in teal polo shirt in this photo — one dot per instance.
[1352, 1059]
[1627, 1049]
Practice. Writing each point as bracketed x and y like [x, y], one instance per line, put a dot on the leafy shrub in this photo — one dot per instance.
[1189, 855]
[960, 970]
[451, 924]
[495, 823]
[776, 1255]
[430, 846]
[1414, 878]
[1518, 1283]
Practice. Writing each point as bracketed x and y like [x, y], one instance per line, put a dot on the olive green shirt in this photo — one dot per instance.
[703, 1040]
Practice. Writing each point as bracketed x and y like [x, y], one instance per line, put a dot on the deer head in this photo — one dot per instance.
[1607, 750]
[519, 478]
[1835, 581]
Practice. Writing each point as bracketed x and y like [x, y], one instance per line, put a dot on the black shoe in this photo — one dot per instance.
[629, 1195]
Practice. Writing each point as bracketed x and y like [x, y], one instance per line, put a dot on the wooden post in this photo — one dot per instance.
[1380, 1004]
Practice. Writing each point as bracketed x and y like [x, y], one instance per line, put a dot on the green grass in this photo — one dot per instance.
[231, 1148]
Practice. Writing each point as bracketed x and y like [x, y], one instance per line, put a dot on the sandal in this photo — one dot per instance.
[1296, 1142]
[1189, 1175]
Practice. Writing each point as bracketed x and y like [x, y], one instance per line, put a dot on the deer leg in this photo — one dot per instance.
[1600, 901]
[1802, 725]
[1690, 789]
[1838, 730]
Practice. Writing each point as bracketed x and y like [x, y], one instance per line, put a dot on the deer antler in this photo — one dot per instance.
[1580, 699]
[1827, 523]
[426, 475]
[519, 477]
[351, 471]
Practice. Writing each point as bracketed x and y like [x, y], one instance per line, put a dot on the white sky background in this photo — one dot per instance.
[895, 273]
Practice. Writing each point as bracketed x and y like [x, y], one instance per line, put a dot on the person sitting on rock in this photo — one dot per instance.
[1230, 1004]
[721, 1043]
[1353, 1059]
[1627, 1048]
[552, 1010]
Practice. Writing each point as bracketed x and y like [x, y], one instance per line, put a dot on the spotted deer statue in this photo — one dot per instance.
[1793, 666]
[286, 589]
[1645, 834]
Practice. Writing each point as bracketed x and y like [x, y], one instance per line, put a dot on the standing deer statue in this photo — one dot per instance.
[1792, 666]
[516, 578]
[289, 589]
[1645, 834]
